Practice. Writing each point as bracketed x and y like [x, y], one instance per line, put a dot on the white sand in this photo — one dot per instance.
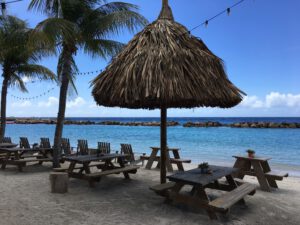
[26, 199]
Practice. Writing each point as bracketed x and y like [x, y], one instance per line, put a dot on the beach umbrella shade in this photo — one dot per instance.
[163, 67]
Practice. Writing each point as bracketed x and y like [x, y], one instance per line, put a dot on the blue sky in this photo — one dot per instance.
[259, 43]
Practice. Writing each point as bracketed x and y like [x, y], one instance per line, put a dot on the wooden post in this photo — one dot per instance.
[166, 12]
[163, 144]
[59, 182]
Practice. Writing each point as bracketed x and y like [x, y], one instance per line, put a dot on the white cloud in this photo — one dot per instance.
[272, 100]
[52, 101]
[22, 104]
[78, 102]
[25, 79]
[272, 104]
[275, 99]
[252, 102]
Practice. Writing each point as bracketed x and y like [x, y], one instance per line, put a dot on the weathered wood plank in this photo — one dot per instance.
[162, 187]
[224, 202]
[276, 175]
[112, 171]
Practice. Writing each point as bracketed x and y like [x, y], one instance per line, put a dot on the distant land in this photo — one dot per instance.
[234, 122]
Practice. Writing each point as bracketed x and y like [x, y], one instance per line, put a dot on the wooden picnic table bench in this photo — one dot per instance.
[260, 168]
[107, 167]
[21, 156]
[198, 197]
[169, 161]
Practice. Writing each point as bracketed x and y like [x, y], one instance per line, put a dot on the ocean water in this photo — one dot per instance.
[214, 145]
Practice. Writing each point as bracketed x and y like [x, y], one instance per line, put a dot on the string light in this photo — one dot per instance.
[205, 23]
[33, 97]
[51, 89]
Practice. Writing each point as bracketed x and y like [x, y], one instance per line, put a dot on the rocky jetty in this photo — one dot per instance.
[77, 122]
[264, 125]
[147, 124]
[203, 124]
[156, 124]
[243, 125]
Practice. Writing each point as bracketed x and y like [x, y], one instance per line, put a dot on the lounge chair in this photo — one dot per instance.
[83, 148]
[104, 147]
[24, 143]
[45, 143]
[66, 147]
[6, 140]
[131, 159]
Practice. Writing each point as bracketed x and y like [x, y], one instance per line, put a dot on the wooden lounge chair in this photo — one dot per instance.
[104, 147]
[131, 159]
[45, 143]
[24, 143]
[66, 147]
[6, 140]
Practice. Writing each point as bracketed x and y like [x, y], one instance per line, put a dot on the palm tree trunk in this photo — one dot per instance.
[3, 106]
[62, 107]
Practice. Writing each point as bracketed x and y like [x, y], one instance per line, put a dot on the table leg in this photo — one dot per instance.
[266, 168]
[233, 185]
[201, 194]
[88, 171]
[242, 165]
[4, 161]
[20, 165]
[168, 162]
[262, 180]
[122, 164]
[151, 159]
[176, 156]
[71, 167]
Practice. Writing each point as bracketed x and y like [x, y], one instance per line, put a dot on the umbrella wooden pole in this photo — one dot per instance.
[163, 144]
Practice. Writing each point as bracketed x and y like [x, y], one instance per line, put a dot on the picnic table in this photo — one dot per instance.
[169, 161]
[198, 197]
[260, 168]
[20, 156]
[104, 162]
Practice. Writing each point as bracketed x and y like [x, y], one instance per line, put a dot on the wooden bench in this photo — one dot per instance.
[161, 189]
[223, 203]
[132, 169]
[34, 160]
[276, 175]
[180, 160]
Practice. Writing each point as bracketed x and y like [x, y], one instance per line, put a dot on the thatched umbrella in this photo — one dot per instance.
[163, 67]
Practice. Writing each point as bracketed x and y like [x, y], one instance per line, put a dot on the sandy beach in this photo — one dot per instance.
[26, 199]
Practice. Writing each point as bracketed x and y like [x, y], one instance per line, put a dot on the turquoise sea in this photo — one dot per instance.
[214, 145]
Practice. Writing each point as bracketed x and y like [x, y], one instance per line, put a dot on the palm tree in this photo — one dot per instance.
[86, 25]
[19, 56]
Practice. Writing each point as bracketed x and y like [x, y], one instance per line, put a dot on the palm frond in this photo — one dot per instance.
[101, 25]
[35, 71]
[16, 81]
[57, 29]
[102, 47]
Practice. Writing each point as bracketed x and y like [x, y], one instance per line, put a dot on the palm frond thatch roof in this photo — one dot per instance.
[164, 66]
